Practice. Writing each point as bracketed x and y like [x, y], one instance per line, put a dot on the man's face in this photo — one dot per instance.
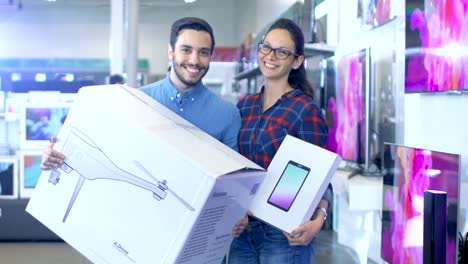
[190, 58]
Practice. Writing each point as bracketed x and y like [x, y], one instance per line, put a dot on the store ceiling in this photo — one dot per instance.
[97, 11]
[24, 4]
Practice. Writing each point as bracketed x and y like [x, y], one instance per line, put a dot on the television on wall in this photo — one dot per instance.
[347, 107]
[373, 13]
[329, 94]
[407, 173]
[315, 75]
[29, 171]
[436, 46]
[8, 177]
[40, 122]
[382, 104]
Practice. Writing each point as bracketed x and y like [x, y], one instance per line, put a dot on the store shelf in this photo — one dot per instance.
[247, 74]
[313, 49]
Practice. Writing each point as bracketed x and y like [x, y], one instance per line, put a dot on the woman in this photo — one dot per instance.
[283, 106]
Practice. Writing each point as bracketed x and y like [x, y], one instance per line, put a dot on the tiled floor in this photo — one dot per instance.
[40, 253]
[327, 252]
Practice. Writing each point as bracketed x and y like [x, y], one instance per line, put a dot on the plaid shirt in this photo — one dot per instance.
[294, 113]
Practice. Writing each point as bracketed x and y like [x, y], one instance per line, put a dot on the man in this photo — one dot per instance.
[116, 79]
[190, 49]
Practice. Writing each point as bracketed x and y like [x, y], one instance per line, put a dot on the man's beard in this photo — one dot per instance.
[181, 77]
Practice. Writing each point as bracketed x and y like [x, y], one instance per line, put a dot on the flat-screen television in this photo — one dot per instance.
[8, 177]
[347, 106]
[372, 13]
[329, 94]
[436, 46]
[314, 67]
[40, 122]
[29, 171]
[407, 173]
[382, 104]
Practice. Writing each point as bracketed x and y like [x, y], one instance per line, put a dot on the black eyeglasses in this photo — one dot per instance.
[280, 53]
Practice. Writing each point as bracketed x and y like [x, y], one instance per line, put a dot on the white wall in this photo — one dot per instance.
[54, 41]
[255, 15]
[84, 32]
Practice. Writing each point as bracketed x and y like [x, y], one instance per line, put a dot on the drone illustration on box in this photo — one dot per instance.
[84, 156]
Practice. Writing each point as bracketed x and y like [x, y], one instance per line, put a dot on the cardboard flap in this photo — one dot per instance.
[192, 143]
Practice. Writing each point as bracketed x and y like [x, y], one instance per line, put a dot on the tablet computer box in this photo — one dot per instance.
[296, 180]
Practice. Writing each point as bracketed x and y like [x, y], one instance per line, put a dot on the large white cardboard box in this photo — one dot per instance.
[141, 184]
[296, 180]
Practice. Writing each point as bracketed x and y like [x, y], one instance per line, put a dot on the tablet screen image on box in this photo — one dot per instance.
[288, 185]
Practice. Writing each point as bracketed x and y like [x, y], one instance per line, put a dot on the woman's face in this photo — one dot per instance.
[272, 67]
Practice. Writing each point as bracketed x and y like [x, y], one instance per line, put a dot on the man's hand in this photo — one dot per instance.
[51, 158]
[240, 226]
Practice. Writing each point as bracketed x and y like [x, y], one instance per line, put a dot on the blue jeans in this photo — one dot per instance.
[264, 244]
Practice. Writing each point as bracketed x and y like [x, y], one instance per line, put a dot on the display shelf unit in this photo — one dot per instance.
[248, 74]
[313, 49]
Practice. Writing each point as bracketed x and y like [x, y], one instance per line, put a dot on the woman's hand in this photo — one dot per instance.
[304, 234]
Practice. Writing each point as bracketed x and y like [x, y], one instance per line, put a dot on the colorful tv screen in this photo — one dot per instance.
[43, 123]
[408, 172]
[30, 171]
[40, 123]
[8, 178]
[382, 103]
[346, 107]
[373, 13]
[436, 46]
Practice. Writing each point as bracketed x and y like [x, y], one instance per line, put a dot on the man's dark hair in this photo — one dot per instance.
[116, 79]
[194, 23]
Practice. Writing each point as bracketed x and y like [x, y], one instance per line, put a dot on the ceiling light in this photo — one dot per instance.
[189, 1]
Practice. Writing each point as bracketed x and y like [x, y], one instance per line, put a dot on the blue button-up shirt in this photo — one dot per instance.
[201, 107]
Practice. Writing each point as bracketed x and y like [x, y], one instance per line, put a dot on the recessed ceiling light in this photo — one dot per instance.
[189, 1]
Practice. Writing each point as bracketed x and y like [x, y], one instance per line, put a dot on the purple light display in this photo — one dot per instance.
[436, 46]
[408, 172]
[346, 113]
